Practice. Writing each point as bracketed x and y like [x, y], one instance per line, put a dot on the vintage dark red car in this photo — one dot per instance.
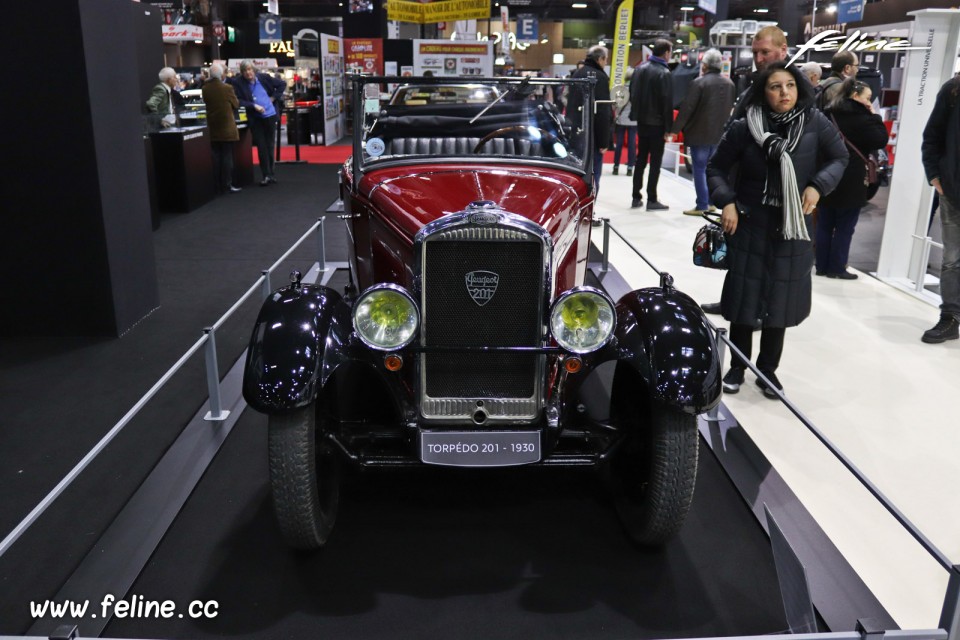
[468, 337]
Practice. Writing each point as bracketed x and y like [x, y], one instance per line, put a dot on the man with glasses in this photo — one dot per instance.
[844, 64]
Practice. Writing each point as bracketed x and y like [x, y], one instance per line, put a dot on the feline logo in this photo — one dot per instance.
[481, 285]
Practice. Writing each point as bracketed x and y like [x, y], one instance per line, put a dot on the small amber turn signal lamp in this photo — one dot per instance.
[393, 362]
[573, 365]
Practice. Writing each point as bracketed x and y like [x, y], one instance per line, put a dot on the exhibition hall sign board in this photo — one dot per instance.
[432, 12]
[181, 32]
[363, 55]
[453, 58]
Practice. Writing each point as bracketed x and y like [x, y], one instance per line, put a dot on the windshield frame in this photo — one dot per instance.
[507, 85]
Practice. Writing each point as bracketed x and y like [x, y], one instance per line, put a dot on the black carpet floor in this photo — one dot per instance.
[437, 554]
[524, 553]
[60, 396]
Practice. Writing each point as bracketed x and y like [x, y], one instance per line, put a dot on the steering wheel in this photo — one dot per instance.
[521, 131]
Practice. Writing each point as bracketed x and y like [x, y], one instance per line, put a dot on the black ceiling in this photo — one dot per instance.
[648, 10]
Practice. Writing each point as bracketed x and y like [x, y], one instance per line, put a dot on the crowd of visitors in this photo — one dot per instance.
[767, 153]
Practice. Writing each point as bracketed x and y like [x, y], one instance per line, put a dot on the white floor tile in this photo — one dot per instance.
[857, 369]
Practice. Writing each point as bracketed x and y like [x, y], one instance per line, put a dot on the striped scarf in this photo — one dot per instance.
[780, 189]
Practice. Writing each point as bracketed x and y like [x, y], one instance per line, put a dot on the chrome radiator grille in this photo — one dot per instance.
[482, 287]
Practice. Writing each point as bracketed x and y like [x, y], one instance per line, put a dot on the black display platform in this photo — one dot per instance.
[183, 162]
[243, 157]
[439, 553]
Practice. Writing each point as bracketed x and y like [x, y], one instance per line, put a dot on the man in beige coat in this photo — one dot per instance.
[222, 103]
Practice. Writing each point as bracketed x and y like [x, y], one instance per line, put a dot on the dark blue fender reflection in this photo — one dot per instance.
[288, 348]
[662, 334]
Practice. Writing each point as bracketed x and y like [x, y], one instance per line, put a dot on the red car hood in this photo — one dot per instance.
[414, 197]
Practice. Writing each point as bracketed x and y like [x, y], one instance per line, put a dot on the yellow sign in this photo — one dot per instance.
[443, 11]
[620, 56]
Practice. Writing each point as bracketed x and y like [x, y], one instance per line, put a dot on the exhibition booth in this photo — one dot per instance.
[160, 524]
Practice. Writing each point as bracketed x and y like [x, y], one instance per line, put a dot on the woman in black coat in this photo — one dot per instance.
[839, 211]
[784, 155]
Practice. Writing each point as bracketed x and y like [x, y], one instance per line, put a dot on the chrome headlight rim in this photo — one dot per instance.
[396, 289]
[580, 290]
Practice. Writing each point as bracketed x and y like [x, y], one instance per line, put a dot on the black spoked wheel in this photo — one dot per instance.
[655, 471]
[304, 478]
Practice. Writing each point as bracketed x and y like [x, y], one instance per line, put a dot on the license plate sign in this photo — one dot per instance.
[480, 448]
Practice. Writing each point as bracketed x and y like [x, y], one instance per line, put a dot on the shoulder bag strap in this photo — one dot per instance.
[848, 143]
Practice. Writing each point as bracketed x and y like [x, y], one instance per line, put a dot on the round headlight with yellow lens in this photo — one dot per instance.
[582, 320]
[386, 317]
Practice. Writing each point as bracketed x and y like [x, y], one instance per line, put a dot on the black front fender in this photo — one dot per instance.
[287, 348]
[661, 333]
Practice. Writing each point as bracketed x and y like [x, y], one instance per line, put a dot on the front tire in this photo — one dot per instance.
[304, 478]
[655, 471]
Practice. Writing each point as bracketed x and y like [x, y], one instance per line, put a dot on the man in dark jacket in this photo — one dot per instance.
[940, 151]
[603, 120]
[702, 115]
[769, 46]
[843, 65]
[258, 93]
[651, 99]
[221, 102]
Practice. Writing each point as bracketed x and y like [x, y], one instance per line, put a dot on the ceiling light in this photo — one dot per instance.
[832, 8]
[761, 10]
[558, 58]
[679, 40]
[198, 41]
[686, 8]
[579, 5]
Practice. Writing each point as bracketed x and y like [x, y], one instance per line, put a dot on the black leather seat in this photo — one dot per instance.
[460, 146]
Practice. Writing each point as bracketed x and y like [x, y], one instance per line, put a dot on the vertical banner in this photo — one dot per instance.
[620, 56]
[908, 210]
[464, 30]
[331, 72]
[504, 28]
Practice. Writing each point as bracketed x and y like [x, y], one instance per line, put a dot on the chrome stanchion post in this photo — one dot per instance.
[321, 247]
[924, 260]
[605, 264]
[267, 288]
[714, 415]
[213, 378]
[950, 615]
